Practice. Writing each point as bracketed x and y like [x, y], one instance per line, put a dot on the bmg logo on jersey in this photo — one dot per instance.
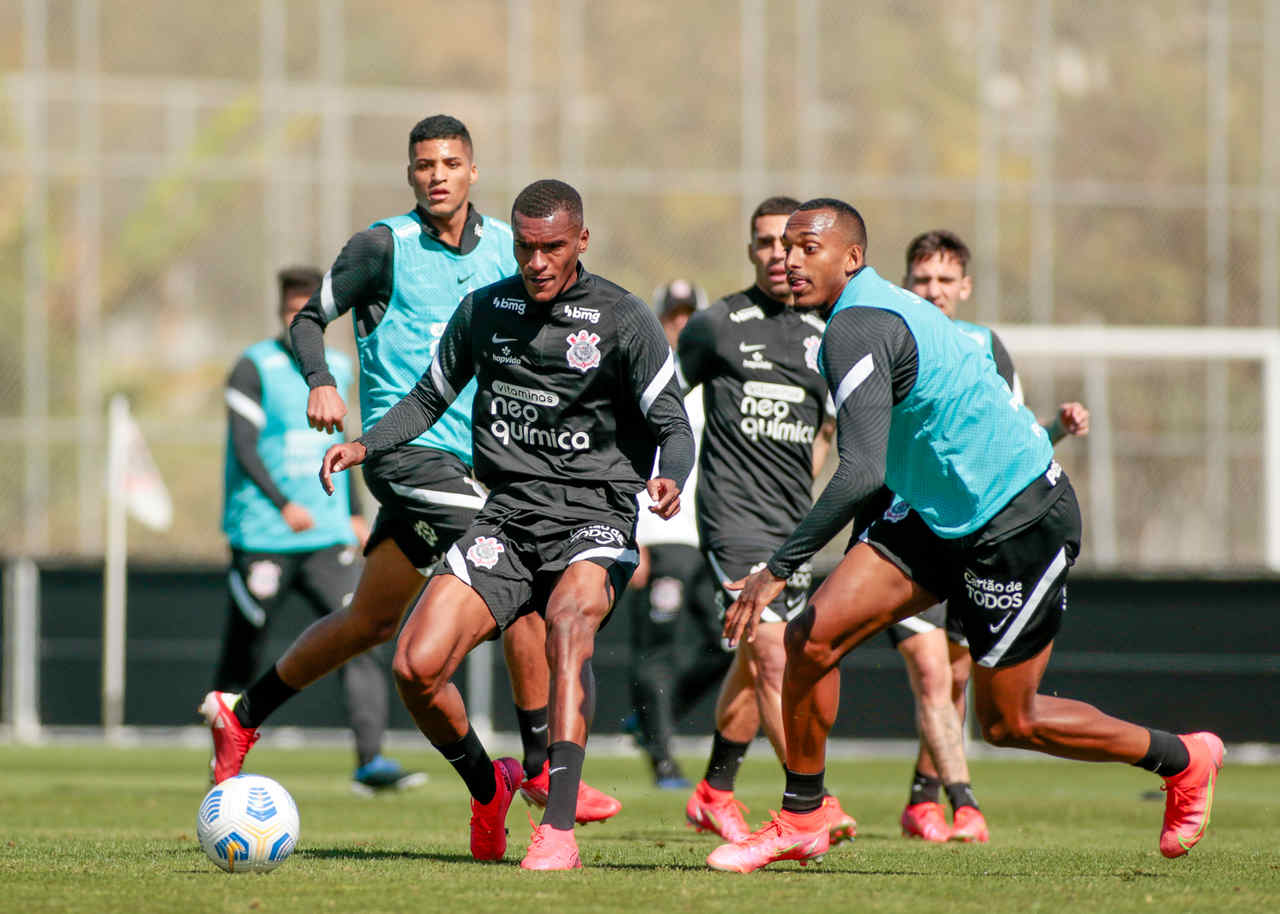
[989, 593]
[510, 304]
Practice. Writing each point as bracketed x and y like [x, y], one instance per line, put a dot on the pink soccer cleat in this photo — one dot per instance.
[232, 740]
[1189, 795]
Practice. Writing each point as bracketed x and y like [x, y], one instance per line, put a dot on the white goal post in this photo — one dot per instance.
[1093, 346]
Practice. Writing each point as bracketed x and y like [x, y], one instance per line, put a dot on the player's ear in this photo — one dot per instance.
[853, 259]
[582, 240]
[475, 173]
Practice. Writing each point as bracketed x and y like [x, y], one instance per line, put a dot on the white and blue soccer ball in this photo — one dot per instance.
[248, 824]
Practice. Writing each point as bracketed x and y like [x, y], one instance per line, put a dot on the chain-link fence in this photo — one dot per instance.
[1114, 164]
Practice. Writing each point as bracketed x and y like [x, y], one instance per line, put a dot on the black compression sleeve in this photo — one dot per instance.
[696, 348]
[447, 374]
[360, 278]
[651, 366]
[245, 428]
[869, 359]
[1004, 362]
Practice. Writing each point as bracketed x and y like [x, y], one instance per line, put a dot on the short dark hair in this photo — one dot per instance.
[543, 199]
[439, 127]
[845, 214]
[772, 206]
[938, 241]
[298, 279]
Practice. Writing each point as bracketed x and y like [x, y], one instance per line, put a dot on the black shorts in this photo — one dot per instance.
[1008, 593]
[427, 499]
[258, 582]
[513, 553]
[730, 563]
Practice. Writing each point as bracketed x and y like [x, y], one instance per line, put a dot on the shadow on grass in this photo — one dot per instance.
[373, 853]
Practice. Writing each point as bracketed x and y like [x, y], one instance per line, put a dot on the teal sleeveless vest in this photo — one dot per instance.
[430, 280]
[960, 447]
[292, 452]
[979, 334]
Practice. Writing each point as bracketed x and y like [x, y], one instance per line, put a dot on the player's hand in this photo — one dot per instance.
[297, 517]
[340, 457]
[325, 409]
[665, 495]
[757, 591]
[1074, 418]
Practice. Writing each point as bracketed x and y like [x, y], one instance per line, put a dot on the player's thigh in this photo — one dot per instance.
[863, 595]
[447, 621]
[582, 591]
[767, 656]
[928, 664]
[387, 587]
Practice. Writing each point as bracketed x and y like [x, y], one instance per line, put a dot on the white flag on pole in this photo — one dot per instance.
[142, 486]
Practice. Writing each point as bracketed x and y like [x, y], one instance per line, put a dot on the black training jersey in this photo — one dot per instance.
[578, 391]
[765, 399]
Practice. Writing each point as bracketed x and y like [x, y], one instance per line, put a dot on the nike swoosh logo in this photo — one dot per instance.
[999, 625]
[462, 279]
[743, 347]
[554, 770]
[503, 339]
[542, 729]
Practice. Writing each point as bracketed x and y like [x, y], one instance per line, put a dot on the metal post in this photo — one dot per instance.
[1218, 237]
[275, 201]
[809, 126]
[752, 51]
[1269, 210]
[114, 619]
[89, 354]
[22, 650]
[335, 217]
[987, 213]
[35, 312]
[1271, 450]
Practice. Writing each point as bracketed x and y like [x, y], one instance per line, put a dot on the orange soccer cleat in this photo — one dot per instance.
[552, 849]
[716, 811]
[969, 825]
[593, 805]
[927, 821]
[787, 836]
[840, 825]
[489, 820]
[232, 740]
[1189, 795]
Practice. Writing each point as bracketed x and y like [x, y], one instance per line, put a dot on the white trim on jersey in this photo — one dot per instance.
[435, 497]
[328, 306]
[1017, 390]
[244, 406]
[457, 564]
[1047, 580]
[659, 382]
[247, 605]
[855, 376]
[618, 554]
[438, 380]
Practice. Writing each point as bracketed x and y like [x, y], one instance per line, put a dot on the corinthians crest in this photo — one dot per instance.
[812, 345]
[583, 353]
[484, 552]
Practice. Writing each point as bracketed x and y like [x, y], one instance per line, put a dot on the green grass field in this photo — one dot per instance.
[87, 828]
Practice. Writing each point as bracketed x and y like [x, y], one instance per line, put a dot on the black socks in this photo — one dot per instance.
[726, 756]
[533, 738]
[470, 760]
[565, 766]
[804, 792]
[262, 698]
[1166, 756]
[925, 788]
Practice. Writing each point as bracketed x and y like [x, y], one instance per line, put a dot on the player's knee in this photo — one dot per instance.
[805, 652]
[570, 634]
[1007, 730]
[413, 668]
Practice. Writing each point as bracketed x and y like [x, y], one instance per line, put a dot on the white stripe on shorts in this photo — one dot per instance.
[435, 497]
[725, 580]
[1047, 580]
[457, 564]
[918, 625]
[247, 605]
[625, 556]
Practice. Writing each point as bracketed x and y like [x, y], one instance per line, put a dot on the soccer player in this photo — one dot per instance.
[402, 279]
[766, 436]
[575, 390]
[932, 644]
[286, 537]
[672, 595]
[986, 513]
